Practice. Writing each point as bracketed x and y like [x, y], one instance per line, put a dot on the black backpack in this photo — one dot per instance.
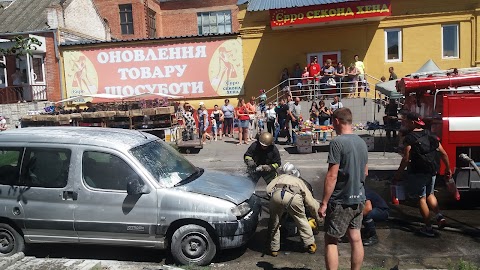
[424, 157]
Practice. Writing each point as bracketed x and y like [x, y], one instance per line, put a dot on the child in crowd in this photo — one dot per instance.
[263, 99]
[260, 116]
[214, 126]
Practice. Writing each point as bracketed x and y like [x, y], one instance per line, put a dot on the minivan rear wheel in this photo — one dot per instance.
[192, 244]
[11, 241]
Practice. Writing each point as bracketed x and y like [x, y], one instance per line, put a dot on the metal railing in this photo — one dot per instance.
[27, 93]
[310, 89]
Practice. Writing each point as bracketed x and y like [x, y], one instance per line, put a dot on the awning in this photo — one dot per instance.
[260, 5]
[389, 89]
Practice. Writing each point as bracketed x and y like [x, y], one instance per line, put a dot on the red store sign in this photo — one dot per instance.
[329, 13]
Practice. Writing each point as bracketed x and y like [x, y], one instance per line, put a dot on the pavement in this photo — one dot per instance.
[399, 248]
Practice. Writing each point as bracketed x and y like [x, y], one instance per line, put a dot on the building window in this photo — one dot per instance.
[3, 72]
[152, 24]
[393, 45]
[217, 22]
[450, 41]
[126, 19]
[38, 68]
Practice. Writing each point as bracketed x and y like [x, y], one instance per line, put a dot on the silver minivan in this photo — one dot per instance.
[117, 187]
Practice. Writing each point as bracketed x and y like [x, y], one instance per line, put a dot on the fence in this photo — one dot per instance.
[14, 94]
[312, 89]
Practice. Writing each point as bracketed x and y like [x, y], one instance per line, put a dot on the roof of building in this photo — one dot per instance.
[146, 39]
[27, 15]
[116, 138]
[260, 5]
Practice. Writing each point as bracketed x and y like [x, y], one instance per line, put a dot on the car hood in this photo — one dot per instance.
[233, 188]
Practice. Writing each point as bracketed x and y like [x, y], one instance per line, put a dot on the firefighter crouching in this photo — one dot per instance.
[262, 158]
[289, 193]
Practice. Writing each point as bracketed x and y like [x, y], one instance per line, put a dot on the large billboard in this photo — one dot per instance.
[191, 70]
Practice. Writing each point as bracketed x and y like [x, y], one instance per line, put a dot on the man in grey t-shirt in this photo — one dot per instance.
[296, 111]
[344, 193]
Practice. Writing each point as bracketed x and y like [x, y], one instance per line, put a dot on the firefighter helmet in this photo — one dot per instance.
[265, 139]
[289, 168]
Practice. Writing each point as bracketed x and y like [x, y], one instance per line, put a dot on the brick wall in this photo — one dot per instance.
[80, 16]
[52, 74]
[179, 18]
[109, 10]
[174, 18]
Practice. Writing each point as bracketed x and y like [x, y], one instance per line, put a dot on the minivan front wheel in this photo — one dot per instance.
[192, 244]
[11, 241]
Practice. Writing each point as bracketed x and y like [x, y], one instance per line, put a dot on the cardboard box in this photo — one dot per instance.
[304, 141]
[149, 111]
[304, 149]
[165, 110]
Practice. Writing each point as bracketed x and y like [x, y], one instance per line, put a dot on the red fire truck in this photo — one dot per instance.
[449, 102]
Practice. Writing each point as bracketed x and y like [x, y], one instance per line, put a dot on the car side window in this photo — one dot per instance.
[45, 167]
[10, 165]
[106, 171]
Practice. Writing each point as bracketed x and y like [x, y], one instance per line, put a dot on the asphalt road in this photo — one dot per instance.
[399, 245]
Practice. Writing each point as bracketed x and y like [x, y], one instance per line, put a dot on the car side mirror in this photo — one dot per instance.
[134, 187]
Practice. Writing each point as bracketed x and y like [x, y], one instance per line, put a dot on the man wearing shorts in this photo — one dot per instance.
[344, 193]
[420, 182]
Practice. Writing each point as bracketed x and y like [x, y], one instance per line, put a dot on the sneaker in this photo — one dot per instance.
[370, 241]
[441, 222]
[427, 231]
[276, 142]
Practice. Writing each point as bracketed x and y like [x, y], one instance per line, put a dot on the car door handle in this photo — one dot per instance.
[70, 195]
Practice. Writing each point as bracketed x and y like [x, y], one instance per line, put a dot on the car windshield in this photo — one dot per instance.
[166, 164]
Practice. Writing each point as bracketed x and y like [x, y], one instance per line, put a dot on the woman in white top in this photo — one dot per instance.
[271, 116]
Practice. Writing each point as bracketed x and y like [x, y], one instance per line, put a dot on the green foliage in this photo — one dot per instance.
[22, 46]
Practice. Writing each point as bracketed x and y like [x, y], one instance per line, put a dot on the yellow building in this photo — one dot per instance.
[273, 37]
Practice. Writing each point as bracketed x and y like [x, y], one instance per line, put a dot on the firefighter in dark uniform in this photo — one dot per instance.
[262, 158]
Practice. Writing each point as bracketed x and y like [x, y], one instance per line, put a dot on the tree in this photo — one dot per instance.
[23, 46]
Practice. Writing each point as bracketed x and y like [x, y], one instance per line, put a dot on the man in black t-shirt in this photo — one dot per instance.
[281, 122]
[420, 182]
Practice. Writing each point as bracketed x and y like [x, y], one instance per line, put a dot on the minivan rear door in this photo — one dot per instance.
[105, 213]
[47, 194]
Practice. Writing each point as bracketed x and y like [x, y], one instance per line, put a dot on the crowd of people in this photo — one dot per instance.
[348, 209]
[331, 78]
[281, 119]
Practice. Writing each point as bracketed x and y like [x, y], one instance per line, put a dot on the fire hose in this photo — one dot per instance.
[471, 161]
